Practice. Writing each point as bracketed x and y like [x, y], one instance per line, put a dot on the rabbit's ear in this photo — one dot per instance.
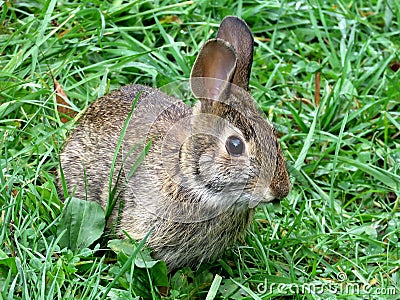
[236, 32]
[213, 69]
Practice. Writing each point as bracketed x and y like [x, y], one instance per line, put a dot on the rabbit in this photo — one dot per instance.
[207, 168]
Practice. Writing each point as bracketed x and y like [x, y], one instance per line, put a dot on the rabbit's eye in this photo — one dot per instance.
[234, 145]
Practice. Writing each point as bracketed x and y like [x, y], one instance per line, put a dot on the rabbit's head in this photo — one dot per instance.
[228, 153]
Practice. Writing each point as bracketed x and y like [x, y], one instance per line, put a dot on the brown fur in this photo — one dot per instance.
[197, 197]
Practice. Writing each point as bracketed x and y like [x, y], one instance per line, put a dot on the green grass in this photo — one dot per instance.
[338, 230]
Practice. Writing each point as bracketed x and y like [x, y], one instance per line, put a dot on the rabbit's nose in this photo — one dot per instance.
[281, 191]
[280, 184]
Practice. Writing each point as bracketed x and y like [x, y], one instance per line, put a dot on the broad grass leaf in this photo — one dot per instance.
[119, 294]
[229, 290]
[158, 269]
[159, 274]
[83, 223]
[9, 107]
[186, 280]
[124, 249]
[7, 261]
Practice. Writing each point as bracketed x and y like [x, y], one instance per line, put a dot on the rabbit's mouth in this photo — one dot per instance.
[244, 197]
[261, 195]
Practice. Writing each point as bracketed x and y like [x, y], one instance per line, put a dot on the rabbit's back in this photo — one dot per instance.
[88, 153]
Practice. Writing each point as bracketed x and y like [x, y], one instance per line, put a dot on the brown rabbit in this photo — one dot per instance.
[207, 167]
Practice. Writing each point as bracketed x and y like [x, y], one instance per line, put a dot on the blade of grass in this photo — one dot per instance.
[333, 174]
[111, 202]
[127, 264]
[214, 287]
[389, 179]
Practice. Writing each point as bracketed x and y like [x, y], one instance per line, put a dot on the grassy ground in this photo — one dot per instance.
[326, 74]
